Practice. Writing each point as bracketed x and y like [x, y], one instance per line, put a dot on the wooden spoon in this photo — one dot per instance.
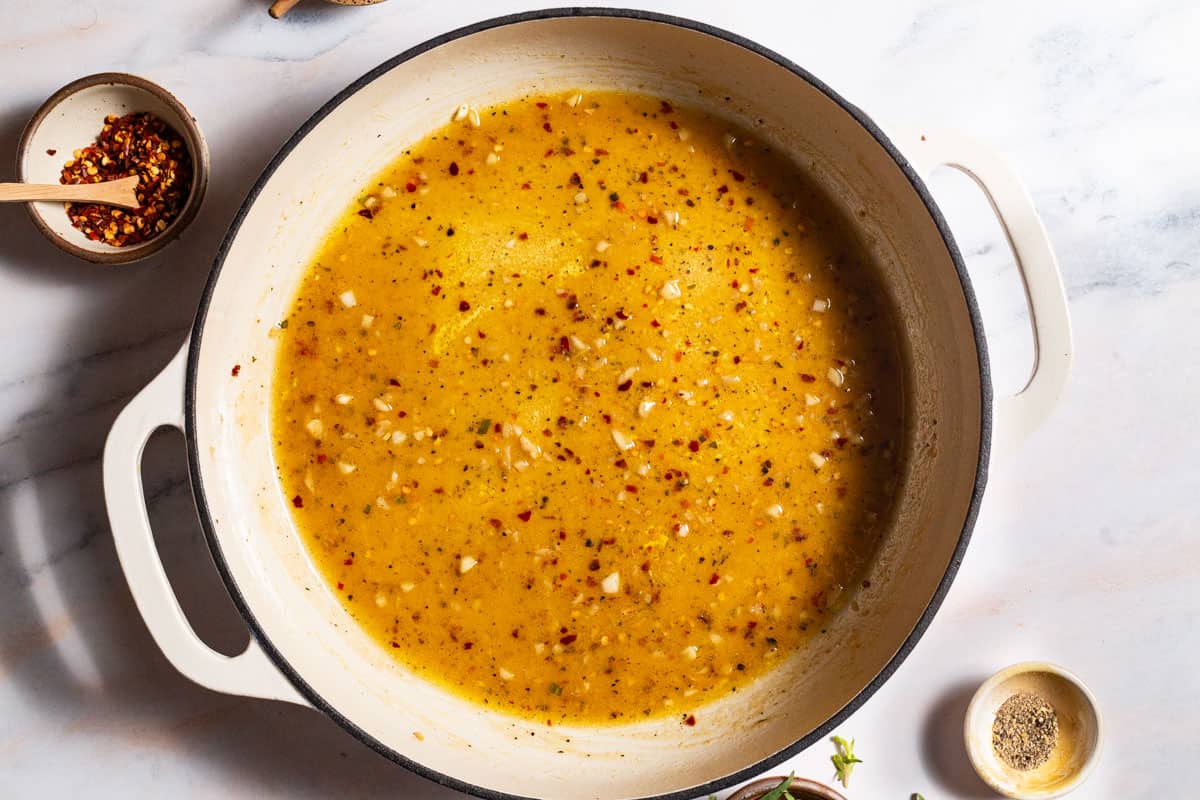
[281, 7]
[121, 193]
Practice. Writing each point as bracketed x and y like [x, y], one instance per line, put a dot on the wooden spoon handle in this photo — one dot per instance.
[121, 193]
[281, 7]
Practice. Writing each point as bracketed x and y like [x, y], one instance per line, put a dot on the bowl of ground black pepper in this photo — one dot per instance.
[110, 126]
[1033, 730]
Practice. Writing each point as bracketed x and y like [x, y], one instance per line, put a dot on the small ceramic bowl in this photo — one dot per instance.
[71, 119]
[800, 788]
[1080, 733]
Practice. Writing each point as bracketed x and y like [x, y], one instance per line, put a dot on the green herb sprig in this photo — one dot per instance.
[781, 792]
[844, 759]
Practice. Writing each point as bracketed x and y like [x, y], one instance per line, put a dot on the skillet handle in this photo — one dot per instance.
[1018, 416]
[160, 405]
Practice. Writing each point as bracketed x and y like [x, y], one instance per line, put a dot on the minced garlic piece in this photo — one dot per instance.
[622, 440]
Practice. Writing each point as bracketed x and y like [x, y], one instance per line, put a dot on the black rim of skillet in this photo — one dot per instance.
[862, 119]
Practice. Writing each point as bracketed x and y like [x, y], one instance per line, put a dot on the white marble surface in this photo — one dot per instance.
[1086, 552]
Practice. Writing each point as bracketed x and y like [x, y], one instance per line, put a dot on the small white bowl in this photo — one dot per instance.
[71, 119]
[1080, 731]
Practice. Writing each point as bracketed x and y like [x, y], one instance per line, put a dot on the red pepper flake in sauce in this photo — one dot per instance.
[136, 144]
[568, 639]
[463, 305]
[298, 501]
[525, 515]
[656, 259]
[690, 720]
[454, 168]
[236, 369]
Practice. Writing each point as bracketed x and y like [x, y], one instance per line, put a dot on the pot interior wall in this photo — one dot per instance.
[301, 618]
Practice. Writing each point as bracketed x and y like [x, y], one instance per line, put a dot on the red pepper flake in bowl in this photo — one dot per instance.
[136, 144]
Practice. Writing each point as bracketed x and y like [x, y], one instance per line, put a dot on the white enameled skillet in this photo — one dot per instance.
[306, 649]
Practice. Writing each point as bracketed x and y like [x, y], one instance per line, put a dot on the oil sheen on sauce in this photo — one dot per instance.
[589, 412]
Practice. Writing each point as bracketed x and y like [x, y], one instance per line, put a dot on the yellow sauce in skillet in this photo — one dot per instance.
[587, 412]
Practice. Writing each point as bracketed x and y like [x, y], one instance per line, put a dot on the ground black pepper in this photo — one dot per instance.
[1025, 731]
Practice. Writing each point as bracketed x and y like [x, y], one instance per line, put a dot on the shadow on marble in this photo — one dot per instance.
[942, 748]
[71, 641]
